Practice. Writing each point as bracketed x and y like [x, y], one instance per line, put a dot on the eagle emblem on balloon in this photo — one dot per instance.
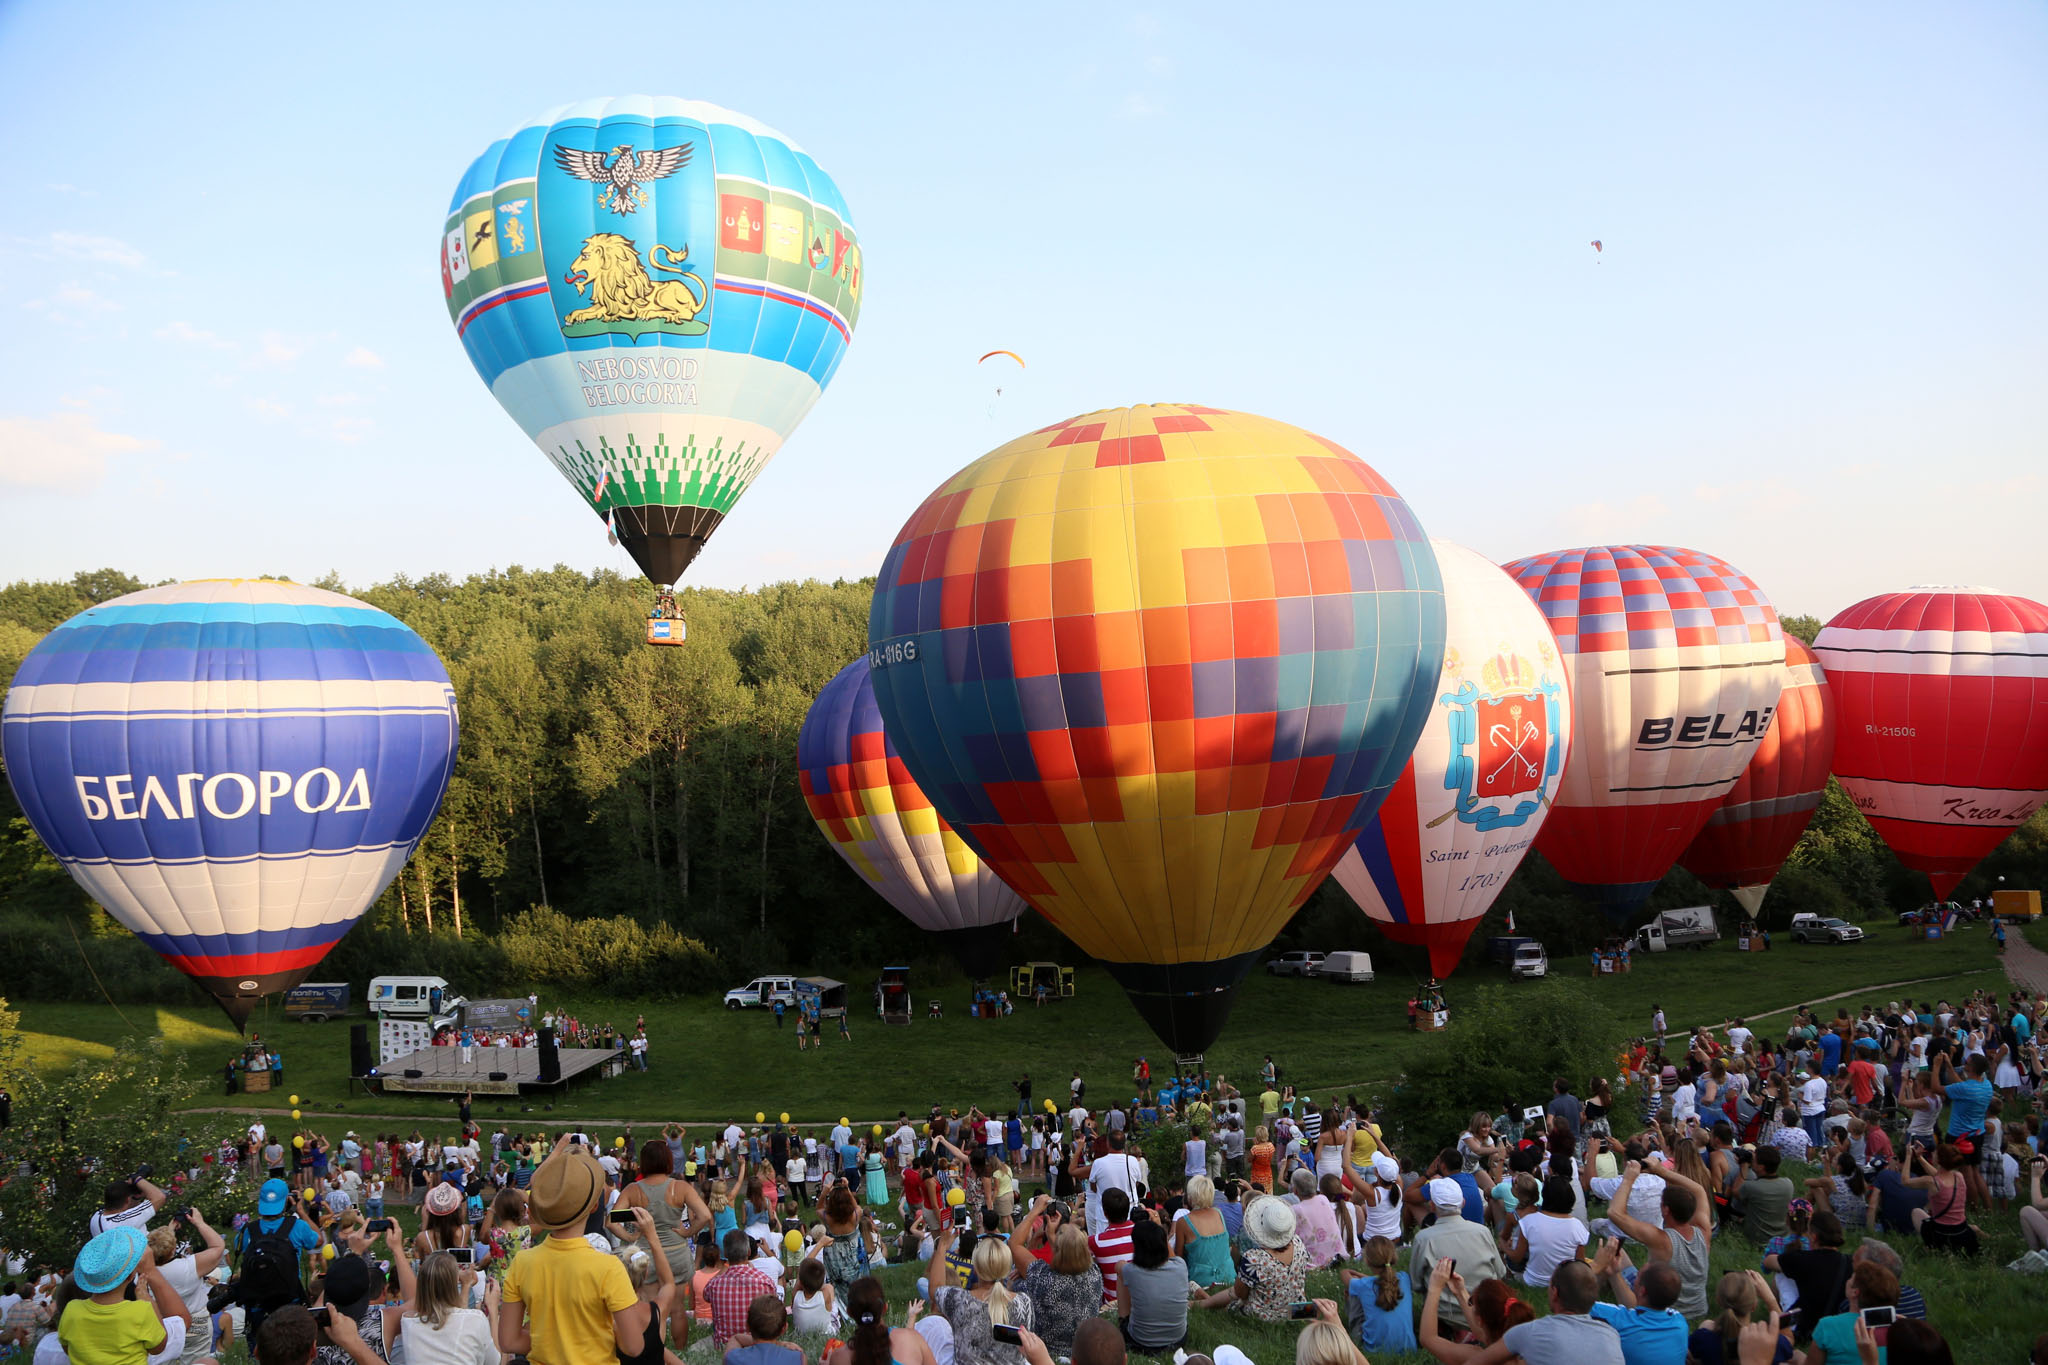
[622, 174]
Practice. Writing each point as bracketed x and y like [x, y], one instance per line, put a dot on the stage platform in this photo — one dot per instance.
[442, 1071]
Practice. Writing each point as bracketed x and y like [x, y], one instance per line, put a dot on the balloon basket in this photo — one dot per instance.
[1432, 1021]
[255, 1082]
[1751, 943]
[1930, 932]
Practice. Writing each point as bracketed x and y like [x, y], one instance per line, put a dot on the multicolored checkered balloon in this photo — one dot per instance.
[871, 811]
[1676, 661]
[1158, 666]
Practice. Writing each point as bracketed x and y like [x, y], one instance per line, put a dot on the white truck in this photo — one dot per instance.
[1691, 927]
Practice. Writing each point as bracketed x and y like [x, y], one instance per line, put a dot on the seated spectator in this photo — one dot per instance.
[1275, 1267]
[1065, 1292]
[1469, 1245]
[1834, 1336]
[1742, 1297]
[1819, 1273]
[1379, 1300]
[441, 1329]
[1644, 1315]
[1570, 1335]
[1492, 1309]
[1315, 1217]
[1762, 1196]
[761, 1343]
[1877, 1252]
[1910, 1341]
[875, 1342]
[1152, 1293]
[1549, 1237]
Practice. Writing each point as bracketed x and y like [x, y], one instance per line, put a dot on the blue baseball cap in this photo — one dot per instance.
[109, 1259]
[271, 1199]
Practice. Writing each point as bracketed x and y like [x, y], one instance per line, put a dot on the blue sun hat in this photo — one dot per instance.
[109, 1260]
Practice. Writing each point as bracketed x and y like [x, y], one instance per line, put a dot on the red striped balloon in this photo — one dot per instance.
[1942, 699]
[1747, 840]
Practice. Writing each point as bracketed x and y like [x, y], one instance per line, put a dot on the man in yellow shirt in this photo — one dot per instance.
[108, 1328]
[1269, 1105]
[563, 1298]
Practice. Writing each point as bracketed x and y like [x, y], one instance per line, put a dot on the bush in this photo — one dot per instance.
[1502, 1049]
[620, 955]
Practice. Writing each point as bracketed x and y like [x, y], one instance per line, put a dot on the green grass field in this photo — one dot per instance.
[708, 1062]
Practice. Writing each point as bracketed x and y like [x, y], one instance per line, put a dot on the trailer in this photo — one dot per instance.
[1691, 927]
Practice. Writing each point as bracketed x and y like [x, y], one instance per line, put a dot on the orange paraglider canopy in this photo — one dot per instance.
[1012, 354]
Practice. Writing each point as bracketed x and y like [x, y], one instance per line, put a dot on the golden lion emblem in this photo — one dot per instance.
[620, 289]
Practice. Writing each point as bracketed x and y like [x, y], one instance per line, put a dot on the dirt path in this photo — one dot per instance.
[2024, 963]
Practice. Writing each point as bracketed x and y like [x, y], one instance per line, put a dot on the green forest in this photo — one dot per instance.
[630, 817]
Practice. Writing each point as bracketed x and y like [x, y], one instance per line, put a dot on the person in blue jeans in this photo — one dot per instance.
[1969, 1098]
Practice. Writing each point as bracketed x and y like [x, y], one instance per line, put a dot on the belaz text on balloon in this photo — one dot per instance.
[1662, 730]
[224, 796]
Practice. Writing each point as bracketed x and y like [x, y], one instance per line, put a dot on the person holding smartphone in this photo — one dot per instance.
[1873, 1296]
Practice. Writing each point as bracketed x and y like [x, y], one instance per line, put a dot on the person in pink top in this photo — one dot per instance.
[1315, 1216]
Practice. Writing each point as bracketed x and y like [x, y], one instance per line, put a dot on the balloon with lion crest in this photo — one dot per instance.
[657, 290]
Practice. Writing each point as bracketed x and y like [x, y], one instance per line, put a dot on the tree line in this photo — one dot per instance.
[648, 800]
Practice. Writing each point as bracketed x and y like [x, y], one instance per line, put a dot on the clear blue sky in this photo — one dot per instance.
[1816, 342]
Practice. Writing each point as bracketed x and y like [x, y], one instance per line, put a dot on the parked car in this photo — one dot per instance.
[1529, 961]
[762, 990]
[1815, 929]
[413, 997]
[1296, 964]
[1347, 967]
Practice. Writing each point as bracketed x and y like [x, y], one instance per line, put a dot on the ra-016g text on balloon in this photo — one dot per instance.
[115, 796]
[893, 652]
[1702, 729]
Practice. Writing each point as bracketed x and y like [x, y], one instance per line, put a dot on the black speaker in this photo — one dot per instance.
[499, 1076]
[550, 1059]
[413, 1073]
[359, 1060]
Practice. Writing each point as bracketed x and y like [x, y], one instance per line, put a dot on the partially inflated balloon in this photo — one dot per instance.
[1158, 666]
[1483, 775]
[1943, 696]
[234, 769]
[874, 816]
[1747, 839]
[1676, 660]
[656, 290]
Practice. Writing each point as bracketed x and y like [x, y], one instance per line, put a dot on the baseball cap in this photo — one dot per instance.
[271, 1198]
[347, 1283]
[1446, 1193]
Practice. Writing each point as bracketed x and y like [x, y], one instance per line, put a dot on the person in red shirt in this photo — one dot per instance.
[1111, 1247]
[1862, 1076]
[732, 1291]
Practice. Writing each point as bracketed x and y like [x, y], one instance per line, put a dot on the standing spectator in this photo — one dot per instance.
[113, 1322]
[268, 1252]
[1564, 1105]
[129, 1203]
[187, 1277]
[564, 1301]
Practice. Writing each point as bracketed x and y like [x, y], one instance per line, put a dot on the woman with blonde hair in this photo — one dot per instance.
[972, 1312]
[1742, 1297]
[1260, 1157]
[1064, 1291]
[1202, 1239]
[1323, 1340]
[439, 1329]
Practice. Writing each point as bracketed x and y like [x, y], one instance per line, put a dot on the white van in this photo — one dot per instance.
[1347, 967]
[1530, 962]
[413, 997]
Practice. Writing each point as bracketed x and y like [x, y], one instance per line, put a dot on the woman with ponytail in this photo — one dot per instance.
[874, 1341]
[972, 1312]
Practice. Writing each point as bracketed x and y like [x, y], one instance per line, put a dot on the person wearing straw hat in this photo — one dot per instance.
[107, 1327]
[1274, 1275]
[565, 1303]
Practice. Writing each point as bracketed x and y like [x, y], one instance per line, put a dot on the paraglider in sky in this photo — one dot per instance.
[657, 290]
[1158, 665]
[1943, 703]
[1597, 247]
[1676, 661]
[857, 789]
[1011, 354]
[1484, 773]
[1747, 839]
[234, 768]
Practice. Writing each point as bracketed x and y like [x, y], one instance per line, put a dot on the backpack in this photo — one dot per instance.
[270, 1267]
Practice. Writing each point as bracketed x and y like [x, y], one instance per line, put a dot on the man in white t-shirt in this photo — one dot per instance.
[610, 1163]
[127, 1204]
[1685, 1103]
[905, 1140]
[841, 1135]
[992, 1133]
[734, 1136]
[1739, 1035]
[1115, 1169]
[1813, 1102]
[1077, 1116]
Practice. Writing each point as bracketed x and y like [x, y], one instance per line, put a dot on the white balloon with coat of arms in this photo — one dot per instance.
[1467, 807]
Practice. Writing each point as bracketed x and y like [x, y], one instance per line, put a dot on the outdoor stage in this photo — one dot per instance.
[491, 1070]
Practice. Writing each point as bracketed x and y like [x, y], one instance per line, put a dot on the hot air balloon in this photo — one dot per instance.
[235, 769]
[1158, 665]
[1746, 840]
[1943, 702]
[864, 800]
[657, 290]
[1482, 777]
[1676, 661]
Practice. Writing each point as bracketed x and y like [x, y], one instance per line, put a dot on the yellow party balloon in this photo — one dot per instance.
[955, 1197]
[793, 1240]
[1051, 1108]
[306, 1195]
[785, 1116]
[760, 1117]
[845, 1122]
[327, 1251]
[878, 1130]
[618, 1142]
[298, 1141]
[295, 1116]
[295, 1099]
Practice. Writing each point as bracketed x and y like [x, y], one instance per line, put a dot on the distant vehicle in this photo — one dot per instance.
[2016, 904]
[1807, 928]
[314, 1001]
[1055, 980]
[1691, 927]
[413, 997]
[762, 990]
[1501, 947]
[1296, 964]
[1937, 912]
[1529, 960]
[822, 991]
[1346, 967]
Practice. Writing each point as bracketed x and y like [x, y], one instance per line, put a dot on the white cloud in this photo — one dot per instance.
[1138, 106]
[192, 336]
[351, 430]
[72, 302]
[65, 187]
[363, 358]
[279, 349]
[265, 407]
[79, 246]
[65, 451]
[339, 400]
[1146, 24]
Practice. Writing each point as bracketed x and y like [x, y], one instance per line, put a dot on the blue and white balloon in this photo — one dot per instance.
[235, 768]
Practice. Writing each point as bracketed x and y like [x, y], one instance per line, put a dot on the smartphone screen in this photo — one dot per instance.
[623, 1217]
[1303, 1309]
[1879, 1315]
[319, 1317]
[463, 1255]
[1004, 1332]
[378, 1225]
